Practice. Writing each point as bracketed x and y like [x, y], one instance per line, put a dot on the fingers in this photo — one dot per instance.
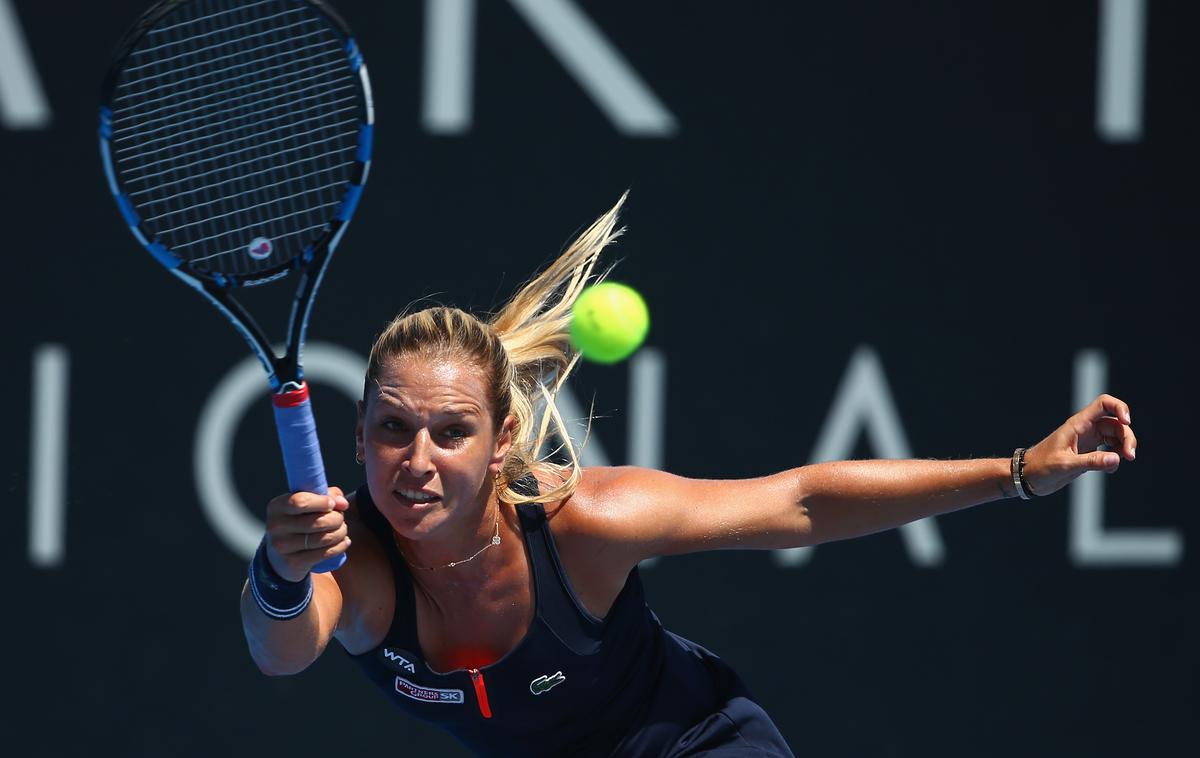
[309, 523]
[300, 503]
[339, 498]
[305, 528]
[1117, 437]
[1101, 461]
[297, 538]
[1106, 405]
[294, 566]
[1094, 439]
[1106, 421]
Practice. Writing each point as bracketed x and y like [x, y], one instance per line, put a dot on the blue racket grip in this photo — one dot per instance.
[302, 452]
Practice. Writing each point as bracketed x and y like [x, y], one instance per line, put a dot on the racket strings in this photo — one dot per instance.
[175, 89]
[246, 94]
[190, 53]
[187, 22]
[172, 150]
[173, 110]
[174, 131]
[238, 132]
[239, 164]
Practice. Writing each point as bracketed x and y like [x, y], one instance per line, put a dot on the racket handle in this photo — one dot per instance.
[302, 452]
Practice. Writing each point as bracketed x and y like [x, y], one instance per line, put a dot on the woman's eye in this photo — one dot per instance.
[456, 433]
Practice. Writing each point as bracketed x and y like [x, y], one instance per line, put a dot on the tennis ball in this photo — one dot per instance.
[609, 322]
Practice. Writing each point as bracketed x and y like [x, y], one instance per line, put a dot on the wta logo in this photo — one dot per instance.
[393, 657]
[260, 248]
[427, 694]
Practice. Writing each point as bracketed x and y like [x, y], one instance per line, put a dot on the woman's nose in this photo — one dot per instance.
[419, 463]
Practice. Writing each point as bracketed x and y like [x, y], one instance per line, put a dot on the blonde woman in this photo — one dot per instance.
[496, 594]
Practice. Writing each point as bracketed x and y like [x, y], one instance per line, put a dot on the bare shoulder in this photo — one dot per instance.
[611, 495]
[595, 500]
[601, 518]
[619, 516]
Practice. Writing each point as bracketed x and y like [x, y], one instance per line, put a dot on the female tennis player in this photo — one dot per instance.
[495, 593]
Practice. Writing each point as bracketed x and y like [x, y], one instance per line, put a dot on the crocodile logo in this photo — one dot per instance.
[545, 683]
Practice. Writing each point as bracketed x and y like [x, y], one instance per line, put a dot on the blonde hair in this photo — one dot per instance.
[525, 352]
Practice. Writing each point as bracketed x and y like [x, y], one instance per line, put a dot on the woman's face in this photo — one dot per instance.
[427, 440]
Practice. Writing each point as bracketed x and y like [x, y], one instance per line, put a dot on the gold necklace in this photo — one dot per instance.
[494, 541]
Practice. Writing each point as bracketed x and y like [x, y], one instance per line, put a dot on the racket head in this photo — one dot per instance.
[236, 135]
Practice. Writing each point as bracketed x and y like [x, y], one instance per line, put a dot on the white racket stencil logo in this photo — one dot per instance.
[260, 248]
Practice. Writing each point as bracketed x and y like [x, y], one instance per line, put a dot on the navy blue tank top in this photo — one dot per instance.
[575, 684]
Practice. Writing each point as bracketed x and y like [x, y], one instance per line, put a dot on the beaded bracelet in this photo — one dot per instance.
[1017, 469]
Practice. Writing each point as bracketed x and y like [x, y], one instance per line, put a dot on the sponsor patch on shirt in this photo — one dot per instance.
[427, 694]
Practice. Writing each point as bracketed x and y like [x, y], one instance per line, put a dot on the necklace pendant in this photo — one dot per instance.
[494, 541]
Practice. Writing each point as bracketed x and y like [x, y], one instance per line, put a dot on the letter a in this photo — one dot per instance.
[864, 402]
[22, 102]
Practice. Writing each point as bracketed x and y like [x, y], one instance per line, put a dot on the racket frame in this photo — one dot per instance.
[293, 412]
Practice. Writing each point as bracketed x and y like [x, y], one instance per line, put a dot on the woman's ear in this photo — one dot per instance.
[358, 427]
[503, 442]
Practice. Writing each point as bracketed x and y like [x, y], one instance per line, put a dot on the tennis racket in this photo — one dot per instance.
[236, 138]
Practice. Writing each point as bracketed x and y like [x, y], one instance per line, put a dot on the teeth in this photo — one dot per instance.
[416, 496]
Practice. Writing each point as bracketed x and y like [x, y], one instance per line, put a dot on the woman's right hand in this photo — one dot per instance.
[304, 529]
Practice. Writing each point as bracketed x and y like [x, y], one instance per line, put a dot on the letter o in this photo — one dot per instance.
[236, 525]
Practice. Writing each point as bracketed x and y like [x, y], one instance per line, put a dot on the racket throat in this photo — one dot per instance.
[291, 394]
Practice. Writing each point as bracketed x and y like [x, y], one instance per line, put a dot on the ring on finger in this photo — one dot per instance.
[306, 542]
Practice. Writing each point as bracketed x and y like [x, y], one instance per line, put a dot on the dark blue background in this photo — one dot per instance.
[924, 179]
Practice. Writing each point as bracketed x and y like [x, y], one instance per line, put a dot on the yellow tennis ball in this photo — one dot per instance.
[609, 322]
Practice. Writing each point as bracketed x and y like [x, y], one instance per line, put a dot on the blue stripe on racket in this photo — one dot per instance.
[236, 139]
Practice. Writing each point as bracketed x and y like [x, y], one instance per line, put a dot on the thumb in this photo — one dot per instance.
[1101, 461]
[339, 499]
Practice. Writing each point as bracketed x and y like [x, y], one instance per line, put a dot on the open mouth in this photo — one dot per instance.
[416, 498]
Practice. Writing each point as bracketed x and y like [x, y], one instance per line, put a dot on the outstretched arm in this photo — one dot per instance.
[853, 498]
[639, 513]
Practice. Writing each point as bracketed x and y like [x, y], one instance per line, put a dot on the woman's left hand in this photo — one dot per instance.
[1072, 449]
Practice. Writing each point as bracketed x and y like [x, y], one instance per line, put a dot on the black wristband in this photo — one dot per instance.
[276, 596]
